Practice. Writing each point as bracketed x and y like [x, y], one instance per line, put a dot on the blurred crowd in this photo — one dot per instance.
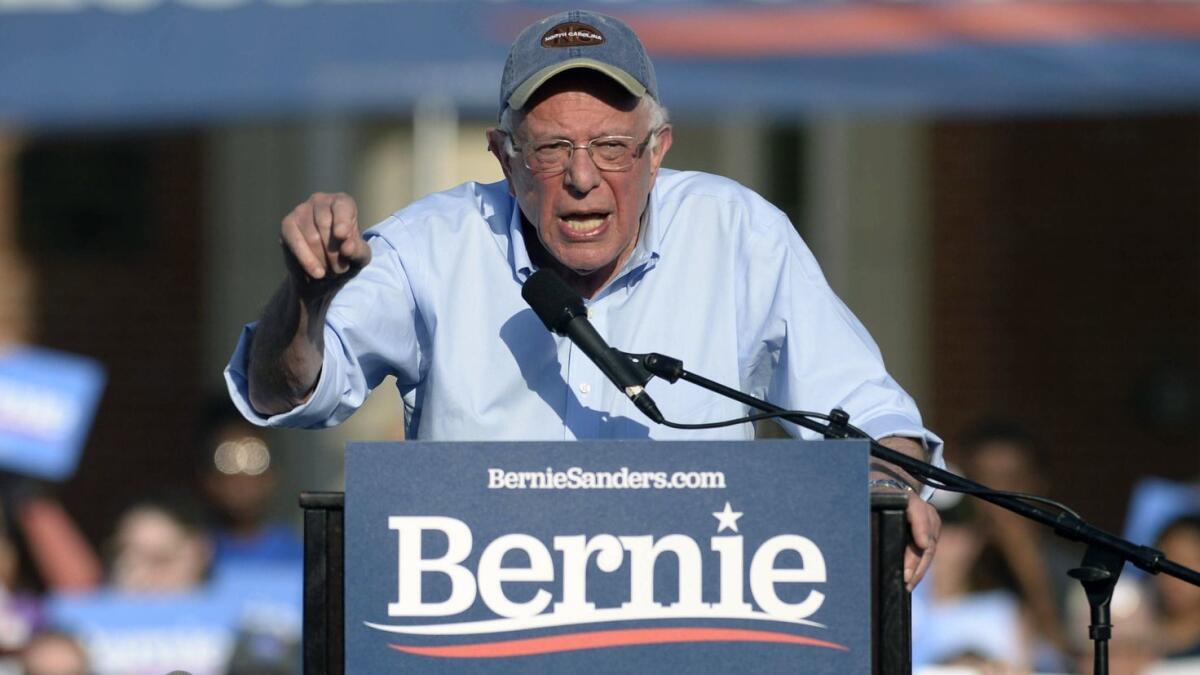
[198, 580]
[205, 582]
[998, 598]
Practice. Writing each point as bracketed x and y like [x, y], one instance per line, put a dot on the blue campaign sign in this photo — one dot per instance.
[617, 556]
[47, 400]
[136, 634]
[196, 631]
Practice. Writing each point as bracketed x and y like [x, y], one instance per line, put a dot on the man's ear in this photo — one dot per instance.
[496, 142]
[660, 150]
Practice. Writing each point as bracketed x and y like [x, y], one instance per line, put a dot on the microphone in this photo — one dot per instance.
[562, 310]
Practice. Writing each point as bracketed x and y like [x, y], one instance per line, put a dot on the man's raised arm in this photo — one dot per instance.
[323, 249]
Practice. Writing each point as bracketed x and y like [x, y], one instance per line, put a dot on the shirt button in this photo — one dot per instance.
[585, 388]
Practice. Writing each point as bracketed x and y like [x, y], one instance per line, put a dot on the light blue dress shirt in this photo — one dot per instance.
[719, 278]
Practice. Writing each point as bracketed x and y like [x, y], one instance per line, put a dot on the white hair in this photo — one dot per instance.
[655, 111]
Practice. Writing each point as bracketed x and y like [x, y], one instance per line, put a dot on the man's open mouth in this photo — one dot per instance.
[584, 223]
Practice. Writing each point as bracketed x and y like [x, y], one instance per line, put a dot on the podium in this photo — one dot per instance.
[419, 482]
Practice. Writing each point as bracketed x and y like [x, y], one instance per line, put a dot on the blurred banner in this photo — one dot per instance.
[47, 401]
[252, 620]
[67, 62]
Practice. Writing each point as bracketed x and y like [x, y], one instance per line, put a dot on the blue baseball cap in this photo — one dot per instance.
[575, 39]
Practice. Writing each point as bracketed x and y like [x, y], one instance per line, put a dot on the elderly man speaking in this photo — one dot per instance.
[680, 262]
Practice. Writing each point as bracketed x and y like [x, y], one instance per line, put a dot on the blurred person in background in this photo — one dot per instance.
[57, 555]
[1178, 619]
[958, 620]
[41, 549]
[54, 653]
[1155, 502]
[162, 610]
[160, 546]
[1018, 554]
[1131, 649]
[20, 610]
[239, 481]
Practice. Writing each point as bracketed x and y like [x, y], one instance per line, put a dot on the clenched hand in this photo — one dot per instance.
[321, 240]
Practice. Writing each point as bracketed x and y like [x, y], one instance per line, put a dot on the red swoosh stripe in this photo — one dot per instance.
[611, 638]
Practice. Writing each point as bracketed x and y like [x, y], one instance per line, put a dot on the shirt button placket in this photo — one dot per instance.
[567, 354]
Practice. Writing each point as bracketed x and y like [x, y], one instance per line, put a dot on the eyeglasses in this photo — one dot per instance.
[610, 153]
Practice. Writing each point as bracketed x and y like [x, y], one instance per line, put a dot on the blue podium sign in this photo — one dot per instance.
[617, 556]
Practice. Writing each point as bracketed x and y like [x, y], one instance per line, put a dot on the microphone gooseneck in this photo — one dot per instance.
[563, 312]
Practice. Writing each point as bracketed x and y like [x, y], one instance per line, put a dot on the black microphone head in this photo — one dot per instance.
[552, 300]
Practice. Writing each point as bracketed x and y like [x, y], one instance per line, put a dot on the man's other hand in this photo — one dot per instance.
[321, 240]
[923, 520]
[925, 524]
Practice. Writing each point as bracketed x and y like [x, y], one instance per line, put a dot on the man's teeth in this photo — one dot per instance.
[584, 224]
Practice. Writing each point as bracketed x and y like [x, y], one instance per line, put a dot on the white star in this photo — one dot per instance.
[727, 518]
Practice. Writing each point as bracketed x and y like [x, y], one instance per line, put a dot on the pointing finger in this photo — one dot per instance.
[322, 214]
[322, 205]
[301, 245]
[345, 216]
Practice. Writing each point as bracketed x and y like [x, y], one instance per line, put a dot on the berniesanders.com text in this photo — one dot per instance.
[578, 478]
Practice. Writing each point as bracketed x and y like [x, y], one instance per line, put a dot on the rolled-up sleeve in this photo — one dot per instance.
[372, 330]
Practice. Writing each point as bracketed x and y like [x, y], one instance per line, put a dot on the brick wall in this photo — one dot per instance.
[1067, 293]
[116, 263]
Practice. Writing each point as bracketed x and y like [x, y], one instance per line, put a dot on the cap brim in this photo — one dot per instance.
[522, 93]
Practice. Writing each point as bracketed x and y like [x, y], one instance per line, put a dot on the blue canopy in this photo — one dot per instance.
[69, 62]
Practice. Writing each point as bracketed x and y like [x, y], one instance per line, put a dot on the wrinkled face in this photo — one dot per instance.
[587, 219]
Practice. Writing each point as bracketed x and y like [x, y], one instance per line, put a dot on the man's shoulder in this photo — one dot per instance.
[463, 206]
[717, 198]
[676, 180]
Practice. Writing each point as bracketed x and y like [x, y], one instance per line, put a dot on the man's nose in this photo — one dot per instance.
[581, 174]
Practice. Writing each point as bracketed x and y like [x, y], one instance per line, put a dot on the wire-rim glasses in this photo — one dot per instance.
[609, 153]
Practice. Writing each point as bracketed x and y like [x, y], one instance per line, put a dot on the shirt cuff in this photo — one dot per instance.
[316, 412]
[899, 425]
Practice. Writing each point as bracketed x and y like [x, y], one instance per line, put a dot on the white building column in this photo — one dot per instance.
[16, 276]
[435, 145]
[869, 226]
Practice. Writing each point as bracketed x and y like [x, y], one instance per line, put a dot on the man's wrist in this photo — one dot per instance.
[889, 484]
[907, 445]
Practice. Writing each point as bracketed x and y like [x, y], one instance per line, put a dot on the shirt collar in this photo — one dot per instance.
[645, 252]
[518, 254]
